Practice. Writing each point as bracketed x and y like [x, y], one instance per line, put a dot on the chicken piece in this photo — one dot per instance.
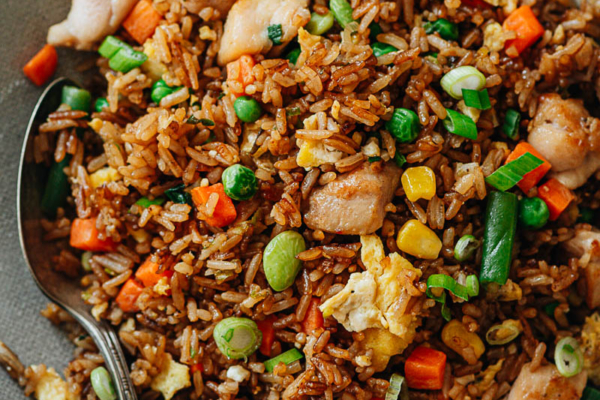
[568, 137]
[587, 244]
[246, 26]
[354, 203]
[195, 6]
[88, 22]
[546, 383]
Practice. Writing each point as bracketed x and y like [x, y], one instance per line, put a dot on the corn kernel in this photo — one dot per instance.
[465, 343]
[103, 176]
[418, 183]
[418, 240]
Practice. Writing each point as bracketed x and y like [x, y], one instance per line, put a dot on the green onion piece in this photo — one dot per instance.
[192, 120]
[498, 237]
[465, 248]
[293, 111]
[446, 313]
[399, 159]
[76, 98]
[101, 104]
[447, 30]
[460, 124]
[342, 11]
[510, 174]
[374, 30]
[550, 307]
[512, 119]
[287, 358]
[146, 202]
[102, 384]
[247, 109]
[111, 45]
[477, 99]
[237, 338]
[397, 389]
[275, 33]
[568, 357]
[586, 215]
[460, 78]
[127, 59]
[207, 122]
[57, 188]
[177, 194]
[590, 393]
[293, 55]
[380, 49]
[319, 24]
[472, 286]
[160, 89]
[373, 159]
[503, 333]
[85, 260]
[447, 282]
[404, 125]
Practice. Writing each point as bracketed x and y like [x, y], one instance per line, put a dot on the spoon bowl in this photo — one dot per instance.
[39, 253]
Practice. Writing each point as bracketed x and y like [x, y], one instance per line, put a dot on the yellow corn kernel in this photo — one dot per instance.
[103, 176]
[418, 183]
[465, 343]
[418, 240]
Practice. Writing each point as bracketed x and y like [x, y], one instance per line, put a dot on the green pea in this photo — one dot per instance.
[319, 24]
[237, 337]
[247, 109]
[239, 182]
[279, 259]
[380, 49]
[533, 213]
[102, 384]
[101, 104]
[160, 92]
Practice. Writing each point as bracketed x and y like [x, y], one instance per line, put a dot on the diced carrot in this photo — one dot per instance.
[239, 74]
[556, 196]
[268, 334]
[531, 178]
[128, 295]
[424, 369]
[142, 21]
[224, 212]
[313, 318]
[524, 22]
[84, 236]
[148, 274]
[197, 368]
[42, 66]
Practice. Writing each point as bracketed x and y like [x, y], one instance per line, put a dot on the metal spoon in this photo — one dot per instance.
[38, 253]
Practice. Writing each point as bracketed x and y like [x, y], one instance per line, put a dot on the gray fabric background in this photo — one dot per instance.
[23, 27]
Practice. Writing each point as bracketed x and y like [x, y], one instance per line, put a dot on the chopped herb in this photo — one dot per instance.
[275, 33]
[373, 159]
[290, 112]
[109, 271]
[207, 122]
[399, 159]
[177, 194]
[193, 120]
[221, 95]
[192, 352]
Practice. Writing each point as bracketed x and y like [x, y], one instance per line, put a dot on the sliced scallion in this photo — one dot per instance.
[404, 125]
[510, 174]
[127, 59]
[512, 119]
[146, 202]
[460, 78]
[380, 49]
[275, 33]
[319, 24]
[460, 124]
[465, 248]
[342, 12]
[447, 30]
[472, 285]
[568, 357]
[477, 99]
[503, 333]
[293, 55]
[399, 159]
[85, 261]
[397, 389]
[287, 358]
[446, 282]
[236, 337]
[110, 46]
[177, 194]
[590, 393]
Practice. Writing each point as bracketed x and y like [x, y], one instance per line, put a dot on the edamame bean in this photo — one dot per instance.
[279, 259]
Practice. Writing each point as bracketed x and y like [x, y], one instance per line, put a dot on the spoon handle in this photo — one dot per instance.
[109, 346]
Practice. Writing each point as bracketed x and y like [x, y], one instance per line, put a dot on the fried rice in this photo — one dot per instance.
[337, 97]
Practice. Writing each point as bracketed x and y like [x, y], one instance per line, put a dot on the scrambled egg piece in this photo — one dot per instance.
[470, 112]
[374, 301]
[162, 287]
[314, 153]
[104, 175]
[494, 37]
[172, 378]
[485, 379]
[153, 67]
[51, 386]
[590, 337]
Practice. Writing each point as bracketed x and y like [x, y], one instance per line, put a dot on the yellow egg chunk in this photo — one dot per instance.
[104, 175]
[465, 343]
[418, 183]
[418, 240]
